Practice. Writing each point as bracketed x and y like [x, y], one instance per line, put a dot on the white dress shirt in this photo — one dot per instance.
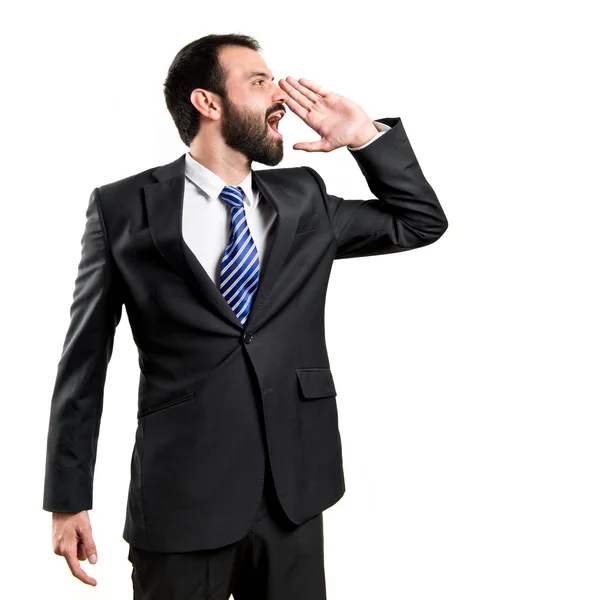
[205, 222]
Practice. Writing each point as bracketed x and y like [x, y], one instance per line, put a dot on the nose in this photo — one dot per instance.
[279, 95]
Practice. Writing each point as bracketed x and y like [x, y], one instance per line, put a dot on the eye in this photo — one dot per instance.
[258, 81]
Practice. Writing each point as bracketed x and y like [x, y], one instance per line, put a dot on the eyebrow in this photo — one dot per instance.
[259, 73]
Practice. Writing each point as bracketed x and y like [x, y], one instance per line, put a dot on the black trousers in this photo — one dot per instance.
[277, 560]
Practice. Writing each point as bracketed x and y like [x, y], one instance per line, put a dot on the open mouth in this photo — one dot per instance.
[273, 122]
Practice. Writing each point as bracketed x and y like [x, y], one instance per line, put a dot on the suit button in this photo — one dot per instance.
[248, 338]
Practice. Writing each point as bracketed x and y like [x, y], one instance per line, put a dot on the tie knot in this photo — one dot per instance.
[233, 195]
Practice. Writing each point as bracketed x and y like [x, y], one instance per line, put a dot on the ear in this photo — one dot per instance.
[206, 103]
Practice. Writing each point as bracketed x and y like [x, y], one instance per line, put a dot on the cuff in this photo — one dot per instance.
[382, 129]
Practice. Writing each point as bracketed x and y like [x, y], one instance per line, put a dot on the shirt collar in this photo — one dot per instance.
[212, 185]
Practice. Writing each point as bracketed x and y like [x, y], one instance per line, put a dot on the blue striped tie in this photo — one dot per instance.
[240, 264]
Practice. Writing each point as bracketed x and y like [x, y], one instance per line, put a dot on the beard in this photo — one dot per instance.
[249, 134]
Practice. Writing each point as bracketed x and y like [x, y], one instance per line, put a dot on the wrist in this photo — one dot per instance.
[365, 136]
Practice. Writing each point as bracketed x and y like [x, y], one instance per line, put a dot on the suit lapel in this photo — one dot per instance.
[288, 208]
[164, 205]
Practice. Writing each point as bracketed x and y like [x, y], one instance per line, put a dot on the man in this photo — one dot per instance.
[223, 271]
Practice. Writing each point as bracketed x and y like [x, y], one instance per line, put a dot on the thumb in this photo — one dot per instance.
[310, 146]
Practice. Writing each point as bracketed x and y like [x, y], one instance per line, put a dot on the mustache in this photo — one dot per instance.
[277, 109]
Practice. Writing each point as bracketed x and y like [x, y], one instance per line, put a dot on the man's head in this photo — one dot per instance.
[221, 93]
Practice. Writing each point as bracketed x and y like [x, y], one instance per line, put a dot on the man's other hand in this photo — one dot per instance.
[72, 538]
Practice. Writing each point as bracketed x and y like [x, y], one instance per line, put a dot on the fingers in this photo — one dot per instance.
[296, 101]
[300, 93]
[86, 550]
[296, 108]
[303, 97]
[89, 547]
[315, 87]
[81, 555]
[71, 557]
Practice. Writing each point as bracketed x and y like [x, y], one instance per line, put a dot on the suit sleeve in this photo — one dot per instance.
[405, 214]
[76, 404]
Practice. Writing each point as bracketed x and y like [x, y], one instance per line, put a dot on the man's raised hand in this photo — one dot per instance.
[338, 120]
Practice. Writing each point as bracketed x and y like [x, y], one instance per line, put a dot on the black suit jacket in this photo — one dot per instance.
[211, 390]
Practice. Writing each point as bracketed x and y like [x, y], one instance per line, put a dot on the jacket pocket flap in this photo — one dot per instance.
[316, 383]
[172, 400]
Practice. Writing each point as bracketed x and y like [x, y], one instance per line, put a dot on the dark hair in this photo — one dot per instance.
[197, 65]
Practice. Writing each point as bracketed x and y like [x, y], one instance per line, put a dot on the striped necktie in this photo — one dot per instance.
[240, 264]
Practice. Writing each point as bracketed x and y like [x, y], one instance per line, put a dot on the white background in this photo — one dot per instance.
[466, 371]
